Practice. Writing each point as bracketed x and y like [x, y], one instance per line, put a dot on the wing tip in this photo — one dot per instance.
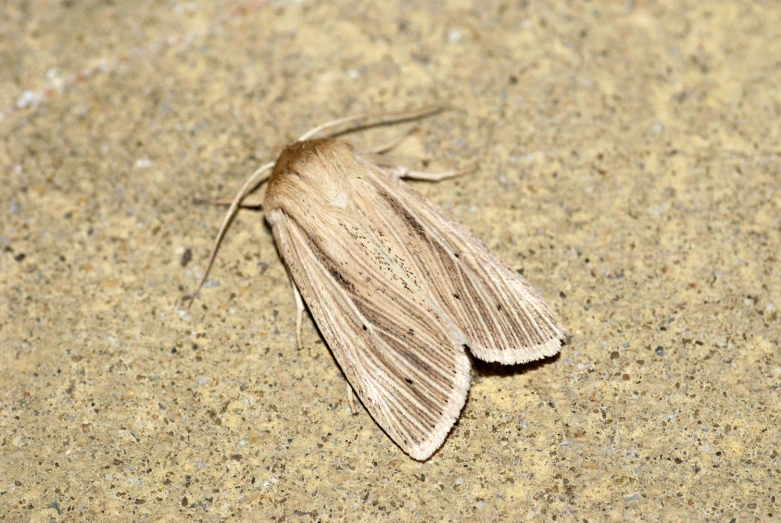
[522, 355]
[425, 449]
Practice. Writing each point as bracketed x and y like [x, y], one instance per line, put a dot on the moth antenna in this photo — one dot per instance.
[386, 147]
[373, 120]
[252, 182]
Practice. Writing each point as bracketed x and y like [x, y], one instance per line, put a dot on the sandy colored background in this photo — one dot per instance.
[628, 164]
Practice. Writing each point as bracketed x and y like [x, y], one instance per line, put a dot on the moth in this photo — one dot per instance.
[399, 290]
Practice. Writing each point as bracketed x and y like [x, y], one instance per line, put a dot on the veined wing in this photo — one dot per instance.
[399, 351]
[501, 316]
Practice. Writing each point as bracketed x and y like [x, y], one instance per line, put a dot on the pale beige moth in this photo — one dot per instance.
[399, 290]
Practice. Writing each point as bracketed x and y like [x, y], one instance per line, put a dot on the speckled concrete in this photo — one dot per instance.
[629, 165]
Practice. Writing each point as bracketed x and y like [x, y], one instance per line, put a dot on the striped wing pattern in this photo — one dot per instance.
[501, 316]
[397, 352]
[398, 290]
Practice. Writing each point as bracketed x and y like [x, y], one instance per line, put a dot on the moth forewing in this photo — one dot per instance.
[414, 396]
[503, 318]
[398, 289]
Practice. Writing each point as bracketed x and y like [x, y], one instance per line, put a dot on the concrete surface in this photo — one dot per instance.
[628, 159]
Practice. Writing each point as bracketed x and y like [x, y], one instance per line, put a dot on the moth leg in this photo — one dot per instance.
[386, 147]
[351, 399]
[408, 174]
[299, 313]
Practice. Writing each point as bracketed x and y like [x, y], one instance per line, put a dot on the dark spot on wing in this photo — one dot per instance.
[339, 278]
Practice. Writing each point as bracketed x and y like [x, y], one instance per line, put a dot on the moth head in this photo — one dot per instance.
[300, 158]
[311, 172]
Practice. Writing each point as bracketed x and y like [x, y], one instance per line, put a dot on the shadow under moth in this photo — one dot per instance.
[399, 291]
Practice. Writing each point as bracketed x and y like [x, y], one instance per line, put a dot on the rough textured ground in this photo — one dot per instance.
[629, 165]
